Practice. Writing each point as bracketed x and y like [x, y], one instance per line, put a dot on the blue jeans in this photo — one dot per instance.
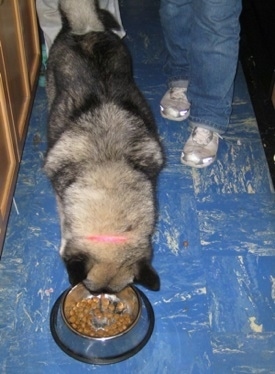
[202, 42]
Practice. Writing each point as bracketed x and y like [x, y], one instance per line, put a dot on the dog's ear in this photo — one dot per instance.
[76, 268]
[147, 276]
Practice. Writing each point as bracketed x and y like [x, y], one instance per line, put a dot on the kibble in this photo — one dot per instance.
[99, 317]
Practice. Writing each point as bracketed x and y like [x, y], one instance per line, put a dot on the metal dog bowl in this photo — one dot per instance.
[91, 347]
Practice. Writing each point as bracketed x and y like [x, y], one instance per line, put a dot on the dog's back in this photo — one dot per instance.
[86, 56]
[90, 64]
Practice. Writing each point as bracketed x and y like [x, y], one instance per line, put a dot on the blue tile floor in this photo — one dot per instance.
[214, 245]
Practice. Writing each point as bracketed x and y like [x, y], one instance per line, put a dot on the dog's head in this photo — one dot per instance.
[110, 267]
[107, 222]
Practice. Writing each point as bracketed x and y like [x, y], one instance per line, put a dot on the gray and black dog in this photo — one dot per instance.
[104, 153]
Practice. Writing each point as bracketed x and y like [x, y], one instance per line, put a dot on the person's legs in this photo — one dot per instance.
[213, 61]
[176, 17]
[49, 20]
[113, 7]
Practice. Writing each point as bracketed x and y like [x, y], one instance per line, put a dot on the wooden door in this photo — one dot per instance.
[8, 162]
[30, 38]
[16, 69]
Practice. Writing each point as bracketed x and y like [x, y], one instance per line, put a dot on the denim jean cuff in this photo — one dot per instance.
[182, 83]
[207, 125]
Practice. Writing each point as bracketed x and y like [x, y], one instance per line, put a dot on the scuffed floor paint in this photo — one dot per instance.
[214, 245]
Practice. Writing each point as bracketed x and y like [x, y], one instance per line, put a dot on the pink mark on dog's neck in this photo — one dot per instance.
[116, 239]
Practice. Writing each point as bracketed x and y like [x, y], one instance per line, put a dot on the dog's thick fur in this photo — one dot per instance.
[103, 154]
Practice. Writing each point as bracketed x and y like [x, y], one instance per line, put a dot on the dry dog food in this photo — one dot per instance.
[99, 317]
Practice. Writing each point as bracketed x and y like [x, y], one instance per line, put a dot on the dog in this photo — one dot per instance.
[104, 153]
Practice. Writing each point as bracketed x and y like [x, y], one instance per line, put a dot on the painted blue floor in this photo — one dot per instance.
[214, 245]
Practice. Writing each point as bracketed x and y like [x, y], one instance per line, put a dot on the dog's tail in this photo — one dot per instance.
[83, 16]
